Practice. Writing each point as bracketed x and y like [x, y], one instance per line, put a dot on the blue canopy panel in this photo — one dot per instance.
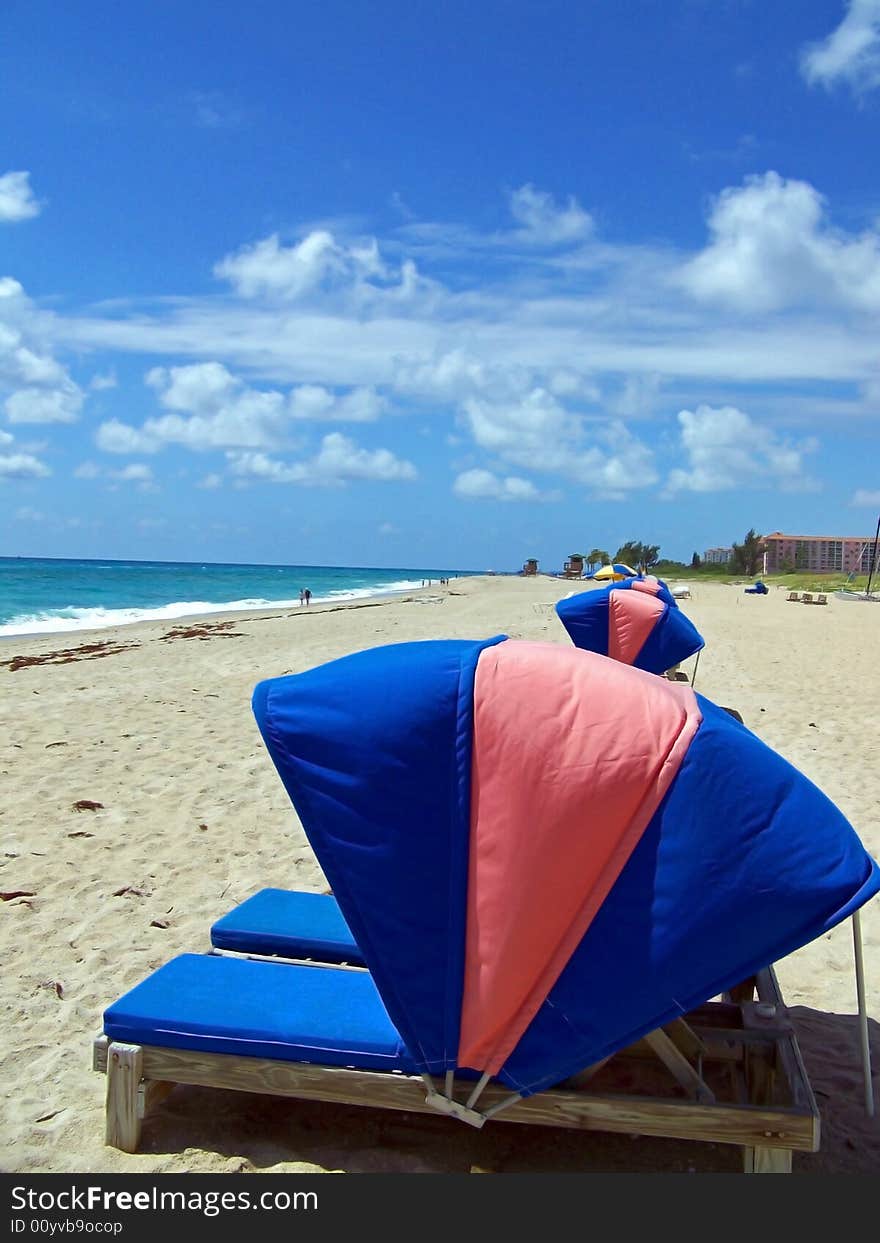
[674, 637]
[744, 862]
[375, 752]
[585, 618]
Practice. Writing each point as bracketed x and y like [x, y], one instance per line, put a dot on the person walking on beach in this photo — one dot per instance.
[308, 596]
[302, 596]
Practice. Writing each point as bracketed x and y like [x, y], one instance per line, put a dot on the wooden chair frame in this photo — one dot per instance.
[745, 1040]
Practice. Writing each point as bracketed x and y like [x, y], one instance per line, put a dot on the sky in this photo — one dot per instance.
[436, 283]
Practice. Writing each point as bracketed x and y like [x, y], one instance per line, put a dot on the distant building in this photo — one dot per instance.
[819, 554]
[530, 566]
[717, 556]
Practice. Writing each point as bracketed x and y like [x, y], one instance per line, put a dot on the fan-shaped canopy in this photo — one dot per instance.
[637, 622]
[544, 854]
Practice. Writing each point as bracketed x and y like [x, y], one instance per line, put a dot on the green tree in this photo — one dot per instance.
[636, 554]
[597, 557]
[748, 557]
[696, 561]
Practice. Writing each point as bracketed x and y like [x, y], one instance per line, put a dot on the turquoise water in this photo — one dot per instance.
[41, 596]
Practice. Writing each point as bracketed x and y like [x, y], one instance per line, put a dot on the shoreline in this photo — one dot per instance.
[221, 610]
[188, 818]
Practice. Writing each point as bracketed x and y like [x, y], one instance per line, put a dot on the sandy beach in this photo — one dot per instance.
[138, 805]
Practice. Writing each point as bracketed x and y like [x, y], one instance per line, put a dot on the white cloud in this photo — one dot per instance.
[261, 466]
[338, 461]
[250, 424]
[216, 411]
[543, 222]
[620, 464]
[538, 433]
[850, 53]
[482, 484]
[36, 368]
[202, 388]
[863, 498]
[17, 200]
[39, 405]
[772, 248]
[727, 449]
[320, 265]
[116, 437]
[34, 386]
[6, 438]
[22, 466]
[532, 351]
[388, 528]
[210, 481]
[563, 382]
[213, 409]
[27, 514]
[454, 374]
[288, 272]
[99, 383]
[313, 401]
[310, 401]
[135, 472]
[638, 397]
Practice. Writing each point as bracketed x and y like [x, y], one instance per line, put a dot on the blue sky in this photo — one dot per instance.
[445, 284]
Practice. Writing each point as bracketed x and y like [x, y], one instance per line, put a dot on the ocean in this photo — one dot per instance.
[45, 596]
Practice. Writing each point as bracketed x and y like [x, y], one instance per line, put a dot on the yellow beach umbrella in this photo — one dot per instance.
[614, 573]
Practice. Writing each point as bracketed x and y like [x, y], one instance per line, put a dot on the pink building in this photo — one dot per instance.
[820, 554]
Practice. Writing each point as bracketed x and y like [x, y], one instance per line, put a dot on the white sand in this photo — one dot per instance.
[194, 819]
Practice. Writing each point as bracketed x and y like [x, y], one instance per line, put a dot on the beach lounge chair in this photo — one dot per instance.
[423, 774]
[821, 599]
[288, 923]
[806, 598]
[794, 597]
[637, 622]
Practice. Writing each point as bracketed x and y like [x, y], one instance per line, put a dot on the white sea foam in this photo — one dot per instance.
[62, 621]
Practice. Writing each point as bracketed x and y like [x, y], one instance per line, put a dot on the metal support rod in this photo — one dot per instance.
[696, 667]
[508, 1100]
[863, 1013]
[472, 1099]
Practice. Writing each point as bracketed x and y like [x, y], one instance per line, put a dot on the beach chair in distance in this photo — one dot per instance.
[637, 622]
[794, 597]
[821, 599]
[807, 598]
[398, 798]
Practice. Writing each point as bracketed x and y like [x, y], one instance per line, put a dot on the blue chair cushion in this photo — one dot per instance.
[290, 924]
[327, 1015]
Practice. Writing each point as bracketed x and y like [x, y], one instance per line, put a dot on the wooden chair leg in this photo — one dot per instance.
[767, 1160]
[124, 1073]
